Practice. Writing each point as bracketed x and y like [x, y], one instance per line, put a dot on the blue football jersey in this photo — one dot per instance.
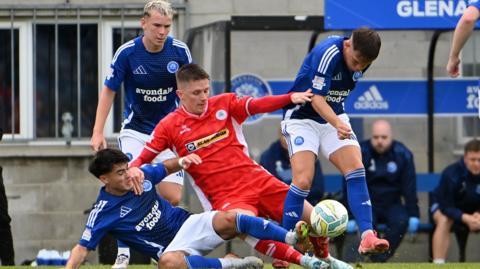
[147, 223]
[475, 3]
[326, 73]
[149, 81]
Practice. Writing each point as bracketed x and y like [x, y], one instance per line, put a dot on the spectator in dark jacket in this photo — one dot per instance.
[391, 181]
[277, 161]
[457, 199]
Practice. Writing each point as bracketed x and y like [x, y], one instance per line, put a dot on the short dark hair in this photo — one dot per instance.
[472, 146]
[104, 161]
[191, 72]
[367, 42]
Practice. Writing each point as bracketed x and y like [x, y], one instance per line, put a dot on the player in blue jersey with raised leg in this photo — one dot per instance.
[330, 70]
[171, 235]
[146, 65]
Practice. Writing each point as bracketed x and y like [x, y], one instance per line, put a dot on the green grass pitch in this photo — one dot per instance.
[268, 266]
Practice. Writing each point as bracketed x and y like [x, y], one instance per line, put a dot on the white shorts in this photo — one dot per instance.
[196, 236]
[132, 142]
[309, 135]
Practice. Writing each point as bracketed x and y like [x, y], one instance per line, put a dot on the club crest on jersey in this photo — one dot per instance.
[147, 185]
[298, 140]
[172, 67]
[392, 167]
[357, 75]
[206, 141]
[221, 114]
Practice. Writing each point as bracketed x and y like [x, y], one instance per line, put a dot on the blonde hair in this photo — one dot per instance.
[161, 6]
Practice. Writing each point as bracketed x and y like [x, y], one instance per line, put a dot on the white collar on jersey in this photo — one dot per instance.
[194, 115]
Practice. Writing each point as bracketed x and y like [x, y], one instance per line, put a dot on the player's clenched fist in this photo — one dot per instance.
[301, 97]
[186, 161]
[343, 130]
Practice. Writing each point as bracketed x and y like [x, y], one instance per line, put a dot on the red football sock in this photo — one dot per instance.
[279, 251]
[320, 246]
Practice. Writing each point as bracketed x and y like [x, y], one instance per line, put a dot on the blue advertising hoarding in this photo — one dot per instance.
[404, 97]
[393, 14]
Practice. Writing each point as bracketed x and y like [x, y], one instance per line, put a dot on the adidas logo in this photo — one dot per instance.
[337, 76]
[292, 214]
[124, 211]
[140, 70]
[368, 202]
[371, 99]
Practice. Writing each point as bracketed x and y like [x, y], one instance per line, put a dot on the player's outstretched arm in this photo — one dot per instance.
[177, 164]
[323, 109]
[78, 255]
[272, 103]
[105, 101]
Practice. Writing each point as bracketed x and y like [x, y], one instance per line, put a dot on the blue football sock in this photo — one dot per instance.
[293, 206]
[196, 261]
[359, 199]
[260, 228]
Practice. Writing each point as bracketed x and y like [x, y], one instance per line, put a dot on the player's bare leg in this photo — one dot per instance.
[179, 259]
[441, 236]
[348, 160]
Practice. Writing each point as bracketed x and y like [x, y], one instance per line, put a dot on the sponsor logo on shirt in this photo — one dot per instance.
[318, 82]
[87, 234]
[154, 95]
[337, 96]
[109, 73]
[207, 141]
[150, 219]
[172, 67]
[371, 100]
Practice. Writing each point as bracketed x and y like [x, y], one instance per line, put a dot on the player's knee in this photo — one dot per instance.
[303, 182]
[172, 260]
[442, 220]
[224, 224]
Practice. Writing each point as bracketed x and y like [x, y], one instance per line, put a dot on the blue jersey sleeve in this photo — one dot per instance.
[324, 65]
[119, 66]
[96, 227]
[183, 50]
[154, 172]
[475, 3]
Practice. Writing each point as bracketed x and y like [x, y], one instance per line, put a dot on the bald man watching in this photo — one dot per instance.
[391, 176]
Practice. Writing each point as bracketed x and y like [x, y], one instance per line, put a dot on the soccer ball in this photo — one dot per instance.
[329, 218]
